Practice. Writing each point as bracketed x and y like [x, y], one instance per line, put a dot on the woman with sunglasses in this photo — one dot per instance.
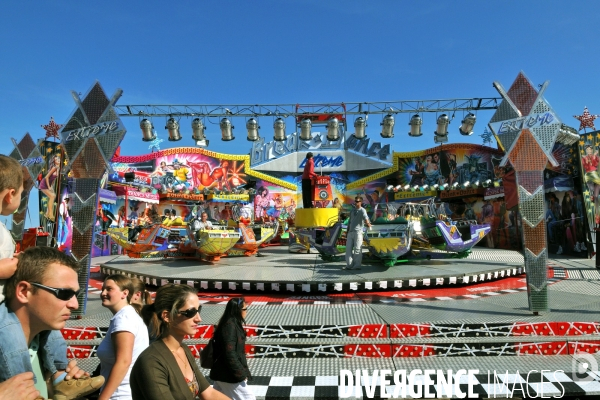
[230, 369]
[126, 338]
[167, 369]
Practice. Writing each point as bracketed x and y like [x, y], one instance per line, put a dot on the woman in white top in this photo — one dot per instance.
[126, 338]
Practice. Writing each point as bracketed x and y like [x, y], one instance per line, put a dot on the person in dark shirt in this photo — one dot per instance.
[230, 370]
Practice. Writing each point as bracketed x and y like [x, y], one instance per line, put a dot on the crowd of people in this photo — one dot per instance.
[142, 355]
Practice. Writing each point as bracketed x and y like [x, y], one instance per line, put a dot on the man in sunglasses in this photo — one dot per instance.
[354, 239]
[39, 299]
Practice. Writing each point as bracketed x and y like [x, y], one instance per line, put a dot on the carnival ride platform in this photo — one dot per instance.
[298, 342]
[276, 270]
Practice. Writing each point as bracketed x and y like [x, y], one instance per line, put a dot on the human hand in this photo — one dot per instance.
[19, 387]
[74, 372]
[9, 267]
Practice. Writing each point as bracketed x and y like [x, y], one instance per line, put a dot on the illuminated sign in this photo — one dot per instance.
[324, 161]
[362, 146]
[94, 130]
[462, 193]
[529, 122]
[414, 195]
[29, 161]
[228, 197]
[262, 152]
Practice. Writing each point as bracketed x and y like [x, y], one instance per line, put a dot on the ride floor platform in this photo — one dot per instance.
[297, 350]
[276, 270]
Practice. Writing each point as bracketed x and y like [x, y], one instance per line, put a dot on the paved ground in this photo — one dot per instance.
[573, 297]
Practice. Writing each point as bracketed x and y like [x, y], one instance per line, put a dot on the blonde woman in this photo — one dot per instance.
[47, 186]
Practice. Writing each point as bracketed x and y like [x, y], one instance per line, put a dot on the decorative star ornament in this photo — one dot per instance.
[155, 144]
[52, 129]
[586, 120]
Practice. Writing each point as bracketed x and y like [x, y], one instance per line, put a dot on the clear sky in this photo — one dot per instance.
[270, 52]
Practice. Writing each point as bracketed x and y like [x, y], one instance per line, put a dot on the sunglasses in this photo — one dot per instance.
[358, 202]
[191, 313]
[60, 293]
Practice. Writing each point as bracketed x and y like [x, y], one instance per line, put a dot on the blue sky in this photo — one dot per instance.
[269, 52]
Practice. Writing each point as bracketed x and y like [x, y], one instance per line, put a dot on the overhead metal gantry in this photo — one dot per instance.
[297, 110]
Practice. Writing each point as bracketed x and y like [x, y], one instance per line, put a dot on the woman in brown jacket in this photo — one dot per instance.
[230, 370]
[166, 370]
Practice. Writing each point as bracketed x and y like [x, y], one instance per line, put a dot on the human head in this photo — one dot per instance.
[11, 184]
[234, 310]
[224, 163]
[116, 291]
[163, 164]
[33, 265]
[588, 149]
[358, 201]
[56, 160]
[336, 200]
[140, 296]
[262, 191]
[43, 308]
[309, 155]
[168, 302]
[167, 212]
[227, 205]
[204, 216]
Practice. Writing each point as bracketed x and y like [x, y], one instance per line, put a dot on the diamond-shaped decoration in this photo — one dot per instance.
[532, 206]
[506, 140]
[546, 137]
[85, 188]
[504, 112]
[89, 163]
[76, 121]
[536, 270]
[525, 154]
[541, 107]
[109, 115]
[16, 230]
[522, 93]
[95, 103]
[15, 154]
[81, 212]
[110, 141]
[26, 145]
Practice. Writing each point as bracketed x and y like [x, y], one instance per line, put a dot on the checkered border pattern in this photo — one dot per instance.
[232, 286]
[548, 383]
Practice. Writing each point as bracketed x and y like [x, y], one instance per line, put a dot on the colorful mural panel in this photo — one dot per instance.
[49, 184]
[589, 144]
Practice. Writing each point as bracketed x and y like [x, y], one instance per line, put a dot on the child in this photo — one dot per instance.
[11, 187]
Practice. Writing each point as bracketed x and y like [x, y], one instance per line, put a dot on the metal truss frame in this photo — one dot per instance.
[288, 110]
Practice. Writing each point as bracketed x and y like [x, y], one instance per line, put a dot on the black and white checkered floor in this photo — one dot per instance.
[523, 385]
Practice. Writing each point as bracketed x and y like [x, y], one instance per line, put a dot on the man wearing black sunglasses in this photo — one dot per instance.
[354, 238]
[39, 299]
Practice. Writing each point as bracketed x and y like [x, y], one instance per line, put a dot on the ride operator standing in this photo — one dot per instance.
[354, 238]
[307, 177]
